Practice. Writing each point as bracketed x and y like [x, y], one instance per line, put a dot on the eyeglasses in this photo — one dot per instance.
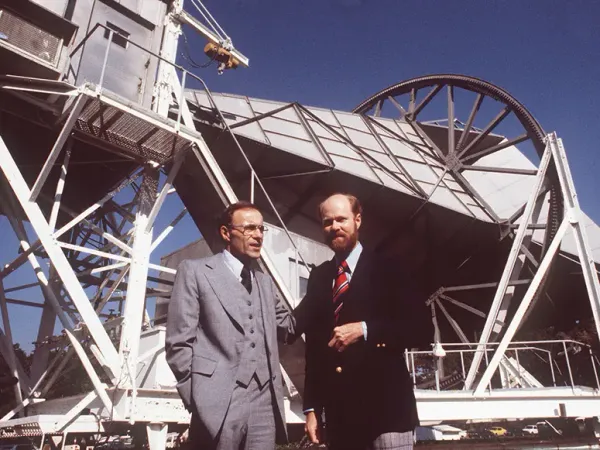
[249, 230]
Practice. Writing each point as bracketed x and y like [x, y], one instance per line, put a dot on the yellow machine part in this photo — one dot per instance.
[218, 53]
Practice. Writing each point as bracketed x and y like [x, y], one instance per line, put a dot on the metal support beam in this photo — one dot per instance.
[164, 191]
[451, 143]
[457, 329]
[519, 264]
[58, 146]
[10, 357]
[164, 81]
[496, 148]
[46, 329]
[60, 187]
[58, 258]
[499, 170]
[157, 436]
[516, 320]
[467, 129]
[487, 130]
[138, 275]
[575, 216]
[161, 237]
[508, 270]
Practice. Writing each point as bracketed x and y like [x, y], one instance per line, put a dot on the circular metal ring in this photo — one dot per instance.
[483, 88]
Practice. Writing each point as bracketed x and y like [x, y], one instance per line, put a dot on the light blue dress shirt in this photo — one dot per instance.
[235, 265]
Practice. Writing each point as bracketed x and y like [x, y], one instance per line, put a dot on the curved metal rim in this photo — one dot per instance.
[531, 125]
[477, 85]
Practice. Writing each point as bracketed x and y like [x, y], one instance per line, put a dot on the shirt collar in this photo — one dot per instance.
[234, 264]
[352, 259]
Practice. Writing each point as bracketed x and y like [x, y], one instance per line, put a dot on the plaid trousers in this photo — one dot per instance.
[393, 441]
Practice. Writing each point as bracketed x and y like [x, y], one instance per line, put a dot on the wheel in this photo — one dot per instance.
[430, 103]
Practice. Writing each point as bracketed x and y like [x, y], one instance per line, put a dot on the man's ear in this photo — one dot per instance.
[224, 232]
[358, 220]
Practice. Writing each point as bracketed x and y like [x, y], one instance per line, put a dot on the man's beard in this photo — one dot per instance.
[344, 242]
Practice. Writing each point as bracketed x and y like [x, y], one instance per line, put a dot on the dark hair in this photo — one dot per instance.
[354, 202]
[227, 215]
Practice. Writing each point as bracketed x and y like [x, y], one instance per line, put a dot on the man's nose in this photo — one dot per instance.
[257, 234]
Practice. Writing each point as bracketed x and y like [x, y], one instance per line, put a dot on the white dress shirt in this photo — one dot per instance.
[235, 265]
[352, 261]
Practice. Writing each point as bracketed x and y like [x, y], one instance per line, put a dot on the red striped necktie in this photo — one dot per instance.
[340, 286]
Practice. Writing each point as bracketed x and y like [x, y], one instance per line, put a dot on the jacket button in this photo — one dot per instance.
[253, 345]
[338, 369]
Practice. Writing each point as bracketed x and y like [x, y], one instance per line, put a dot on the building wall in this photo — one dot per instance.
[58, 7]
[130, 71]
[288, 262]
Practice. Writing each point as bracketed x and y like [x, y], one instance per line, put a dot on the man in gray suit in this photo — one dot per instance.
[221, 341]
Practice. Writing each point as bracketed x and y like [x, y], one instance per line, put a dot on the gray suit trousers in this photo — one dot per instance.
[249, 423]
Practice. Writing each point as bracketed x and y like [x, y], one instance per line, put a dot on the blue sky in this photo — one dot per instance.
[335, 53]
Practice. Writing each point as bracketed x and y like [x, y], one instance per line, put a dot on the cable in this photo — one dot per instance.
[188, 57]
[210, 20]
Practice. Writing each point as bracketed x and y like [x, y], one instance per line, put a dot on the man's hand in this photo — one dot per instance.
[312, 428]
[346, 335]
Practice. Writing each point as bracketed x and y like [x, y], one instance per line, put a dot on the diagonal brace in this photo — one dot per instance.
[58, 258]
[58, 146]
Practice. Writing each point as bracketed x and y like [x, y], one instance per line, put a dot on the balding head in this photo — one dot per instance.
[341, 217]
[355, 205]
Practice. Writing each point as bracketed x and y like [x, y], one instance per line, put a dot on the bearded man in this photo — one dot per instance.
[360, 313]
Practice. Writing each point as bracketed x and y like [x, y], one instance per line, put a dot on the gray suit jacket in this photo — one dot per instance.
[205, 336]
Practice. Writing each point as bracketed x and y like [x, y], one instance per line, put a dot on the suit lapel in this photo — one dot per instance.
[361, 273]
[326, 286]
[225, 285]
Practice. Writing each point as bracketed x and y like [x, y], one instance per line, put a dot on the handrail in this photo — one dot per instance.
[531, 342]
[516, 347]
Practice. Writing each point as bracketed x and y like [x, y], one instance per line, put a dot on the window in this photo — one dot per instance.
[300, 270]
[119, 39]
[302, 285]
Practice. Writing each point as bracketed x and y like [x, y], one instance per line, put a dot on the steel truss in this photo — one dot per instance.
[100, 256]
[108, 247]
[477, 382]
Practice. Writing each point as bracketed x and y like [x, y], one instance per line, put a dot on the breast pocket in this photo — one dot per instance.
[203, 365]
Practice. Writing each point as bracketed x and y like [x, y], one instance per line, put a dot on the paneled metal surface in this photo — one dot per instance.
[386, 152]
[130, 71]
